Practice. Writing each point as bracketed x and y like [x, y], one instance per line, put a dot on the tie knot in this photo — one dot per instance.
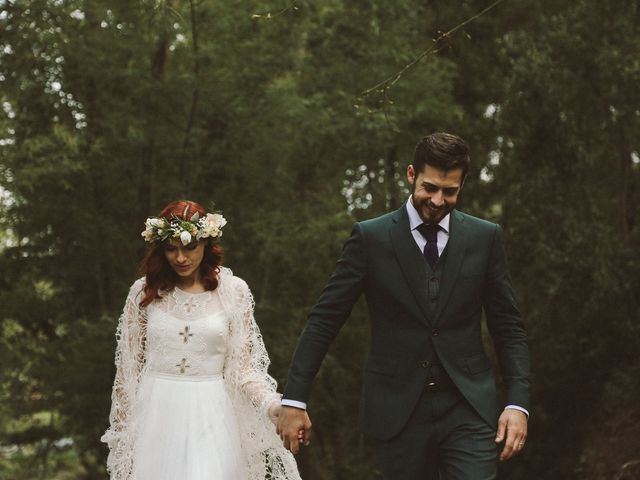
[429, 231]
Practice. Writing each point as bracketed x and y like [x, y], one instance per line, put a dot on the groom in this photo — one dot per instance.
[428, 272]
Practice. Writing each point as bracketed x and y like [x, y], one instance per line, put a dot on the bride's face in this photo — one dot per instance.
[184, 259]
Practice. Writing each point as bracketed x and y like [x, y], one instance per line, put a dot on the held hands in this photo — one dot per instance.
[294, 428]
[513, 424]
[274, 414]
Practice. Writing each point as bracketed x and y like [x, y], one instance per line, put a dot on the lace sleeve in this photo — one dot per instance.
[252, 391]
[129, 360]
[253, 361]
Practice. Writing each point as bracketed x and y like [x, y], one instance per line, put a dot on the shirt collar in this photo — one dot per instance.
[415, 221]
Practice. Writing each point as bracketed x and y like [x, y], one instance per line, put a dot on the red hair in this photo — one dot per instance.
[154, 266]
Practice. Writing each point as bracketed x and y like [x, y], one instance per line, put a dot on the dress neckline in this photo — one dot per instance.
[179, 290]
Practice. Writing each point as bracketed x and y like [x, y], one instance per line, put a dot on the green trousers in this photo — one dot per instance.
[444, 439]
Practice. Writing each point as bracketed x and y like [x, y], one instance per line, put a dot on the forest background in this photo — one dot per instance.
[274, 110]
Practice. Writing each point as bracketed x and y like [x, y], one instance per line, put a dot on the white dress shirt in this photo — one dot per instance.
[415, 221]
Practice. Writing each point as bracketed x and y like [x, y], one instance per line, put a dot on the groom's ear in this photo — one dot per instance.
[411, 174]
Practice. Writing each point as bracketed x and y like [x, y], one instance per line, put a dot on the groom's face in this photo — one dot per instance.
[434, 191]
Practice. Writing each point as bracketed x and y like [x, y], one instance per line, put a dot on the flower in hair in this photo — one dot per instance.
[160, 229]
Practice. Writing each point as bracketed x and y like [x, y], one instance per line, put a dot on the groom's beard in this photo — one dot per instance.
[429, 213]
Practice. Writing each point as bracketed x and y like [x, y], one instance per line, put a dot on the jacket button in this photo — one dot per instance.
[435, 332]
[426, 364]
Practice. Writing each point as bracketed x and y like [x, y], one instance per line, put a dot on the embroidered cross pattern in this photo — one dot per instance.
[186, 334]
[183, 365]
[189, 306]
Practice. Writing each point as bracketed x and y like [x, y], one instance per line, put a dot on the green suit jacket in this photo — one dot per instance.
[382, 260]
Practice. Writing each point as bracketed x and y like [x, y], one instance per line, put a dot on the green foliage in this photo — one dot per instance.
[113, 109]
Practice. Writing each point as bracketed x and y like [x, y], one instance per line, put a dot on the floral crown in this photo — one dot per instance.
[160, 229]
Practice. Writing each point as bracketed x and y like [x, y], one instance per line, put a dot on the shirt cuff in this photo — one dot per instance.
[515, 407]
[293, 403]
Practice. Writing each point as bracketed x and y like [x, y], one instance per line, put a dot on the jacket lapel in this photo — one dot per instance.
[456, 247]
[410, 258]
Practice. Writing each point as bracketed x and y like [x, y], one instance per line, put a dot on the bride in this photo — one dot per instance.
[192, 399]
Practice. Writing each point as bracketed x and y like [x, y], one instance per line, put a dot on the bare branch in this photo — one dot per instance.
[390, 81]
[269, 15]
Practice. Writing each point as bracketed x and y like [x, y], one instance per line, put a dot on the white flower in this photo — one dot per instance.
[208, 231]
[147, 234]
[152, 222]
[218, 219]
[185, 238]
[213, 225]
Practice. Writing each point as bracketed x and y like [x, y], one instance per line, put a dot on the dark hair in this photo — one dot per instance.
[154, 266]
[444, 151]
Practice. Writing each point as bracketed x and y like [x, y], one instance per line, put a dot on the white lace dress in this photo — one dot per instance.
[192, 392]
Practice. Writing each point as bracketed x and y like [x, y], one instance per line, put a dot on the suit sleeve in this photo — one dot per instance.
[327, 317]
[506, 326]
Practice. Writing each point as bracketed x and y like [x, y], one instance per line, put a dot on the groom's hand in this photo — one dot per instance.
[292, 422]
[512, 429]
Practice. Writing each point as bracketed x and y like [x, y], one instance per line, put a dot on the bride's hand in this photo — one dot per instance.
[274, 412]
